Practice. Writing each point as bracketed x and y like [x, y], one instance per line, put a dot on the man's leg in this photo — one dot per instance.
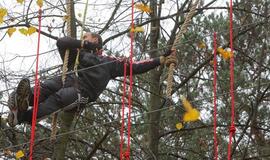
[23, 97]
[55, 102]
[47, 88]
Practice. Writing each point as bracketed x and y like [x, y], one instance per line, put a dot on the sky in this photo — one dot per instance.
[18, 51]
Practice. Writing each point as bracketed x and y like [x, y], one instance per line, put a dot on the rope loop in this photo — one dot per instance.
[172, 59]
[232, 129]
[126, 155]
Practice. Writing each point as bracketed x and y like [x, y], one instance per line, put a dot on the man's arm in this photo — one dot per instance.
[142, 66]
[70, 43]
[67, 43]
[138, 67]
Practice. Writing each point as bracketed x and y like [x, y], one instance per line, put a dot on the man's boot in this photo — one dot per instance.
[18, 102]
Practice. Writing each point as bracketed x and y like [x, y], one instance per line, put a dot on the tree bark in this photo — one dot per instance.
[155, 101]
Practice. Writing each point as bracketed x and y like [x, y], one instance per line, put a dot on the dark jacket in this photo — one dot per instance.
[95, 71]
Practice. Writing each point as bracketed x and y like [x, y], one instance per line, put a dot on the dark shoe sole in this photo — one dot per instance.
[18, 101]
[23, 92]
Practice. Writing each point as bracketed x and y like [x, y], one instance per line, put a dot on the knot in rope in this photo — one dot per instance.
[171, 59]
[232, 129]
[126, 155]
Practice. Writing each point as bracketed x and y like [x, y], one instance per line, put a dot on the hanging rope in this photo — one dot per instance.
[176, 44]
[215, 98]
[126, 155]
[123, 112]
[81, 37]
[36, 90]
[64, 70]
[130, 79]
[232, 127]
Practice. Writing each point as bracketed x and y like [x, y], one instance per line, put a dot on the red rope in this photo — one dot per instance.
[123, 112]
[36, 92]
[215, 98]
[126, 154]
[130, 79]
[232, 127]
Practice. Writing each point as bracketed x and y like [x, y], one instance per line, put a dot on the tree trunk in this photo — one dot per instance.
[66, 118]
[155, 101]
[61, 144]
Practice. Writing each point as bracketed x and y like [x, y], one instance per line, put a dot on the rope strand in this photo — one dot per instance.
[232, 127]
[36, 91]
[123, 113]
[130, 79]
[64, 69]
[215, 98]
[176, 44]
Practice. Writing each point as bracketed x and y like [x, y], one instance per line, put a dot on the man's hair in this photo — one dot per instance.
[100, 42]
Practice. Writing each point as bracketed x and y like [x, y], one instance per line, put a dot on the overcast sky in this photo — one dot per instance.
[20, 45]
[13, 49]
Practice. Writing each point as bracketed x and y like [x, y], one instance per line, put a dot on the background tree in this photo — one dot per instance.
[95, 132]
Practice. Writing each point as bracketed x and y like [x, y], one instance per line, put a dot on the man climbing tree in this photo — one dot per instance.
[94, 73]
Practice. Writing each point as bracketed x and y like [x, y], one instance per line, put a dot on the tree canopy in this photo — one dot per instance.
[155, 129]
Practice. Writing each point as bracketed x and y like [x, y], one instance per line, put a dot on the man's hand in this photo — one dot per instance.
[168, 57]
[89, 46]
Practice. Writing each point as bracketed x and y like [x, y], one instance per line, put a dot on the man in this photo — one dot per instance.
[94, 73]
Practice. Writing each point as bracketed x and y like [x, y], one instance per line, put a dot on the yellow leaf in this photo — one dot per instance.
[20, 1]
[65, 18]
[7, 152]
[188, 107]
[220, 50]
[143, 8]
[23, 31]
[10, 31]
[3, 12]
[179, 126]
[19, 154]
[1, 20]
[137, 29]
[40, 3]
[201, 45]
[226, 55]
[192, 115]
[31, 30]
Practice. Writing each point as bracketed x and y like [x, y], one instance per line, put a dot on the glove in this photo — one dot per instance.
[89, 46]
[162, 60]
[169, 52]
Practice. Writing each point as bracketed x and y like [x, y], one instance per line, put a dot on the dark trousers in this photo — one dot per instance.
[53, 97]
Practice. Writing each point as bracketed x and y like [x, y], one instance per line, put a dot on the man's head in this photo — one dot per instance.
[93, 38]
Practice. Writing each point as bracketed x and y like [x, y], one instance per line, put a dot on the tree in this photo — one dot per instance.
[95, 132]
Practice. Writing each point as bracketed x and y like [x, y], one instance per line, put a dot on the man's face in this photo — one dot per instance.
[88, 37]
